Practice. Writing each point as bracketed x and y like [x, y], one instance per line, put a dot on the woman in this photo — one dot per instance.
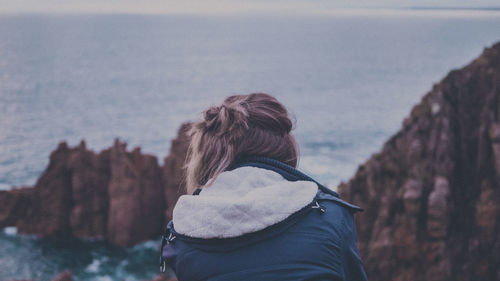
[252, 215]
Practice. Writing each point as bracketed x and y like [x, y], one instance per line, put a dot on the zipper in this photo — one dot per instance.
[319, 207]
[165, 241]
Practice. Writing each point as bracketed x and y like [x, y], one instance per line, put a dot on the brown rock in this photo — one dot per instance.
[14, 205]
[115, 195]
[136, 207]
[70, 198]
[437, 209]
[431, 195]
[90, 174]
[51, 198]
[173, 172]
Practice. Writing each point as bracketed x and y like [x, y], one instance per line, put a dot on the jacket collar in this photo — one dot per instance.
[286, 171]
[251, 189]
[292, 174]
[242, 200]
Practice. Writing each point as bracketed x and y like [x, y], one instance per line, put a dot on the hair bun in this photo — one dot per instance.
[211, 113]
[254, 124]
[225, 118]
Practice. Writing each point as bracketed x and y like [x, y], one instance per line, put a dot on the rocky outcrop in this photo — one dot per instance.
[70, 197]
[119, 195]
[136, 200]
[173, 171]
[115, 195]
[52, 197]
[14, 204]
[431, 196]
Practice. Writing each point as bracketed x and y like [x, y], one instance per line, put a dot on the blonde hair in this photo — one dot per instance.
[243, 125]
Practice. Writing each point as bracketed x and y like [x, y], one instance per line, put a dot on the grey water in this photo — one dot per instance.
[348, 79]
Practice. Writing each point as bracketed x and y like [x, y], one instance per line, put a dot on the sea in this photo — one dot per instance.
[348, 80]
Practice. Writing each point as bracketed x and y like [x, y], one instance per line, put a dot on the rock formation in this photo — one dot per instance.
[14, 204]
[431, 196]
[136, 200]
[116, 195]
[70, 197]
[173, 172]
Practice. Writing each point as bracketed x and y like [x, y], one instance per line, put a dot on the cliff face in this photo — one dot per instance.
[14, 204]
[135, 197]
[116, 195]
[173, 172]
[52, 196]
[431, 196]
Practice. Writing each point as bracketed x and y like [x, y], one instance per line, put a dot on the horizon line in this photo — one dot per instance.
[337, 10]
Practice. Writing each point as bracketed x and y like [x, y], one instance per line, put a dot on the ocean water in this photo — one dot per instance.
[23, 257]
[348, 79]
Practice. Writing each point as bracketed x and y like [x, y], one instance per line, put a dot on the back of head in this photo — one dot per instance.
[243, 125]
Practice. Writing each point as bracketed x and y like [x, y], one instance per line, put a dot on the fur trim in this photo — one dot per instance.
[244, 200]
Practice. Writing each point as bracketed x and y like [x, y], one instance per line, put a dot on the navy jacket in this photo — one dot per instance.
[318, 242]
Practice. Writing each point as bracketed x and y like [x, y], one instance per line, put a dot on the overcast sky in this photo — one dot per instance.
[221, 6]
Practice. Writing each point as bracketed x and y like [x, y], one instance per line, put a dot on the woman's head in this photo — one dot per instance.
[243, 125]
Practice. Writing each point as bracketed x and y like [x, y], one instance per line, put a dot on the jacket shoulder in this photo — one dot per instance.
[325, 193]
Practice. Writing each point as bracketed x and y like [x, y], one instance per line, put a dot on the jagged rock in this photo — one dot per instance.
[14, 204]
[51, 198]
[173, 171]
[115, 195]
[90, 175]
[431, 195]
[136, 208]
[71, 197]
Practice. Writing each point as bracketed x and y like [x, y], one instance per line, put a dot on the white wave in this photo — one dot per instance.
[123, 263]
[94, 266]
[11, 230]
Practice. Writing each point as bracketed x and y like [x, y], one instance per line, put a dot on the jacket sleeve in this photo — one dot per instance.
[353, 266]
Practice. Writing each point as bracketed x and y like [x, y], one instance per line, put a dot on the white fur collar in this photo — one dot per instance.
[244, 200]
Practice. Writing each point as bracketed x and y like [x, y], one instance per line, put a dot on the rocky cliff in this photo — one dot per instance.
[431, 196]
[14, 204]
[119, 195]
